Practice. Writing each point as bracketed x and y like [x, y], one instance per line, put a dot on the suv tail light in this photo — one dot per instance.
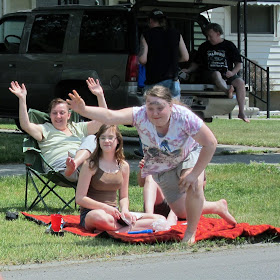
[132, 69]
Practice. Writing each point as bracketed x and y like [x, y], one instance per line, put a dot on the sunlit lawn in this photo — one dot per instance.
[252, 192]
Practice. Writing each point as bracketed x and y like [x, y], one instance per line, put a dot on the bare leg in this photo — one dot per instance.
[172, 218]
[152, 194]
[189, 206]
[220, 208]
[221, 84]
[240, 95]
[73, 164]
[139, 225]
[99, 219]
[194, 205]
[146, 222]
[200, 206]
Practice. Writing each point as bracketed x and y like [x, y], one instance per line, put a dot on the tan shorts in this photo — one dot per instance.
[169, 180]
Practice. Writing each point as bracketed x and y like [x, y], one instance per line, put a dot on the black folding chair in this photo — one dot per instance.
[50, 181]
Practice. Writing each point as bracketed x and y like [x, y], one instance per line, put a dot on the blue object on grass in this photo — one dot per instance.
[141, 231]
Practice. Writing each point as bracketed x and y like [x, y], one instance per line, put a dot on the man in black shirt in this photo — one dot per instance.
[220, 63]
[161, 48]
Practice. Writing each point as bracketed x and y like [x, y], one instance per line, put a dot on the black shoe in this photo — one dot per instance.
[11, 215]
[138, 153]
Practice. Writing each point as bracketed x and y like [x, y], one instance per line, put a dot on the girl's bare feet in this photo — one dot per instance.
[189, 237]
[224, 213]
[70, 167]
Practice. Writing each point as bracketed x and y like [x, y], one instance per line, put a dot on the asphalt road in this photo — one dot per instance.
[258, 262]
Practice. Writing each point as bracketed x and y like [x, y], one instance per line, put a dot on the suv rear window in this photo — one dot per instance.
[102, 32]
[48, 32]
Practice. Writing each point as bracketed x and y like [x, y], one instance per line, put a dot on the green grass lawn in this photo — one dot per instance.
[258, 133]
[252, 192]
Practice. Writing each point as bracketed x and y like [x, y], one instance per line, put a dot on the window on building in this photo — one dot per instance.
[48, 33]
[103, 33]
[10, 34]
[259, 19]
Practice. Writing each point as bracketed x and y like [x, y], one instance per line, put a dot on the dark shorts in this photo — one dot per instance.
[207, 77]
[83, 217]
[162, 208]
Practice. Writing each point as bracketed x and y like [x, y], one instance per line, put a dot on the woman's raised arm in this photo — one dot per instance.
[32, 129]
[106, 116]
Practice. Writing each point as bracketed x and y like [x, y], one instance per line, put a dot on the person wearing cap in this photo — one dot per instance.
[161, 49]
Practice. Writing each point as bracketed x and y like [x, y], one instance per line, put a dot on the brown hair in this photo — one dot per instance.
[160, 92]
[57, 101]
[163, 93]
[94, 158]
[213, 26]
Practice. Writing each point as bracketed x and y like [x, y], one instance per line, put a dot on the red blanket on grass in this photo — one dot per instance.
[207, 228]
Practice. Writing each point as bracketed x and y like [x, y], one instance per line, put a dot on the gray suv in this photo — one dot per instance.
[55, 49]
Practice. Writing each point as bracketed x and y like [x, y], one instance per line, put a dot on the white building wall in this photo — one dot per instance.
[9, 6]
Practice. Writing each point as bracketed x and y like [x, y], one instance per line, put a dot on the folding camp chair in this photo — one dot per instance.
[33, 159]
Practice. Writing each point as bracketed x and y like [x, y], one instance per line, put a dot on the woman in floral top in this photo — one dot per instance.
[177, 148]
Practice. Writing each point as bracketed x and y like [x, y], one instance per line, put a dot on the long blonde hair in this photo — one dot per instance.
[94, 158]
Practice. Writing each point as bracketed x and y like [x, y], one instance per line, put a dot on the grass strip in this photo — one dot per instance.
[252, 192]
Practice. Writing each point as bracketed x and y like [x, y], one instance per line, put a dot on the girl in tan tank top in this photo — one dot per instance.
[102, 177]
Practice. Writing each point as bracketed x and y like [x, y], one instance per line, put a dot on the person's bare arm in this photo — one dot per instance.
[237, 67]
[207, 140]
[95, 88]
[193, 67]
[124, 201]
[183, 51]
[143, 53]
[103, 115]
[32, 129]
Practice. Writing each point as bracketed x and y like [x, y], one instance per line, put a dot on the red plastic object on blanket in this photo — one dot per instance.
[56, 220]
